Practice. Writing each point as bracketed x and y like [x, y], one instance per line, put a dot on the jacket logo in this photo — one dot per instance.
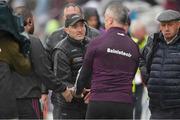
[78, 59]
[118, 52]
[74, 50]
[121, 34]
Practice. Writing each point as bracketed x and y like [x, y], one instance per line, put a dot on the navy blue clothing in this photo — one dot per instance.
[112, 60]
[164, 80]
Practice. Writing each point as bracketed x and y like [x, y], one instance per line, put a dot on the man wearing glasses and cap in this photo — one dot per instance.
[162, 67]
[68, 57]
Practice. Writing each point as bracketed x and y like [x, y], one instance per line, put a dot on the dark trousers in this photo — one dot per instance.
[62, 112]
[173, 113]
[109, 110]
[29, 108]
[138, 101]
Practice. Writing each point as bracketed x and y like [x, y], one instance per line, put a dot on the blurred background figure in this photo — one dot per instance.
[139, 35]
[92, 17]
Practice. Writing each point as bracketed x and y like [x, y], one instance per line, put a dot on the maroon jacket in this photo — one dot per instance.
[112, 60]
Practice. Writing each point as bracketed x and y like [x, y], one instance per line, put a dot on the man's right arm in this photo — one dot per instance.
[61, 67]
[62, 70]
[145, 53]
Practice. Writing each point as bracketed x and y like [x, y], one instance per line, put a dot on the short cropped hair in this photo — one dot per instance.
[118, 12]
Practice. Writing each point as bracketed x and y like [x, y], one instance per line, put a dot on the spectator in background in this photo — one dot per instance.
[160, 67]
[51, 26]
[139, 35]
[112, 64]
[92, 17]
[28, 92]
[29, 29]
[25, 111]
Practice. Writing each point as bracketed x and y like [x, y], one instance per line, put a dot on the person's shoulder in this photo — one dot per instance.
[93, 32]
[96, 41]
[33, 37]
[12, 43]
[56, 33]
[62, 44]
[35, 40]
[54, 38]
[154, 37]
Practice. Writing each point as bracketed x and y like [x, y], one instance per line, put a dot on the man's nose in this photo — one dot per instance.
[79, 28]
[166, 27]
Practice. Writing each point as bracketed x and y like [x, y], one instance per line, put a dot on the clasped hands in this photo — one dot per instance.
[69, 93]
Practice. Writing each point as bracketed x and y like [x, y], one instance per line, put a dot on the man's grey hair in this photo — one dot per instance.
[118, 12]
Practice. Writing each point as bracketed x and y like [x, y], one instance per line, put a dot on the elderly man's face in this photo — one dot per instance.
[77, 31]
[169, 29]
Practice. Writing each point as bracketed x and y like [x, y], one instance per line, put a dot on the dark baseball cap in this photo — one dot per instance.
[72, 19]
[168, 15]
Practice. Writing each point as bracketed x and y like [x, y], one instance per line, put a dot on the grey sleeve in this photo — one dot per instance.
[43, 68]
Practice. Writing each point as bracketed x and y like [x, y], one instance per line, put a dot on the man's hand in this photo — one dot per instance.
[86, 93]
[74, 93]
[67, 95]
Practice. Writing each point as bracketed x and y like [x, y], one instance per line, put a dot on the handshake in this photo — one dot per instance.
[69, 93]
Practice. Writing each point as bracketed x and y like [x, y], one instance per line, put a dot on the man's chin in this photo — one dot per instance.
[79, 38]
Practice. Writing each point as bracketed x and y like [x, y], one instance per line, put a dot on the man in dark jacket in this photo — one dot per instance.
[112, 60]
[28, 88]
[60, 34]
[161, 68]
[68, 58]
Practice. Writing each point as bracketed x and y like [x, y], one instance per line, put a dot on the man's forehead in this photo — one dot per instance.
[71, 10]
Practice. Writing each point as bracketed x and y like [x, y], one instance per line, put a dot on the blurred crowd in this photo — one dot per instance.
[48, 13]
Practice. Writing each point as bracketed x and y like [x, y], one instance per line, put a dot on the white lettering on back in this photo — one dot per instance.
[119, 52]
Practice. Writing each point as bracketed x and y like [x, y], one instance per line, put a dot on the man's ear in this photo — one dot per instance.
[110, 21]
[29, 21]
[66, 30]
